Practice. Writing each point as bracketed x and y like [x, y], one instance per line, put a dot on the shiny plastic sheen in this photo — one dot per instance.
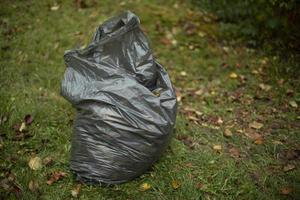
[125, 102]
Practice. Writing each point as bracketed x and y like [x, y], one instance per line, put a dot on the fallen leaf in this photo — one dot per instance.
[234, 152]
[286, 190]
[293, 104]
[75, 192]
[22, 127]
[226, 49]
[28, 119]
[183, 73]
[252, 135]
[259, 140]
[280, 82]
[189, 165]
[265, 87]
[220, 121]
[293, 154]
[54, 8]
[48, 161]
[255, 72]
[217, 147]
[201, 186]
[188, 141]
[289, 167]
[192, 118]
[189, 28]
[277, 142]
[256, 125]
[201, 34]
[33, 185]
[227, 133]
[199, 92]
[145, 187]
[240, 131]
[56, 176]
[165, 41]
[35, 163]
[233, 75]
[175, 184]
[178, 96]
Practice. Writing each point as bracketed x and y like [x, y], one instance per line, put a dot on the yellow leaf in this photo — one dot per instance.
[265, 87]
[33, 185]
[22, 127]
[175, 184]
[76, 190]
[183, 73]
[293, 104]
[233, 75]
[256, 125]
[227, 133]
[217, 147]
[54, 8]
[35, 163]
[145, 186]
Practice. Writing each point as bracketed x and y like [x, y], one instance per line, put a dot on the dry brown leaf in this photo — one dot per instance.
[292, 154]
[252, 135]
[35, 163]
[190, 165]
[286, 190]
[56, 176]
[201, 186]
[234, 152]
[175, 184]
[256, 125]
[259, 140]
[166, 41]
[145, 187]
[75, 191]
[289, 167]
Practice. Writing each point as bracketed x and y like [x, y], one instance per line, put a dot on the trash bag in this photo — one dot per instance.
[125, 102]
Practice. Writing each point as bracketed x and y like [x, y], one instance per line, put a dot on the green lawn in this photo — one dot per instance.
[217, 152]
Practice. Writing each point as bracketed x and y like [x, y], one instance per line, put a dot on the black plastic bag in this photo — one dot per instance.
[126, 105]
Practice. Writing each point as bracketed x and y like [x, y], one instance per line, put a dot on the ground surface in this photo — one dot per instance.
[238, 129]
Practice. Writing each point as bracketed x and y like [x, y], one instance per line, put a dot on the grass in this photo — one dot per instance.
[33, 40]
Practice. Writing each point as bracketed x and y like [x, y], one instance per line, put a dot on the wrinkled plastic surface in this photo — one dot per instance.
[126, 105]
